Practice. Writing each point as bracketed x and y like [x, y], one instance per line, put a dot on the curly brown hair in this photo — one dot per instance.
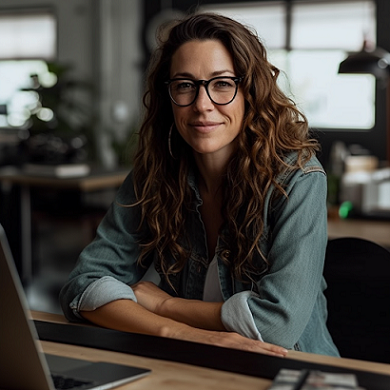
[272, 128]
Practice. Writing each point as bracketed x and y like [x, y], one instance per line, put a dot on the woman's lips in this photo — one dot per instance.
[205, 127]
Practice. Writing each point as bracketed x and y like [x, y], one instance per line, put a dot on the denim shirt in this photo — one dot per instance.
[285, 304]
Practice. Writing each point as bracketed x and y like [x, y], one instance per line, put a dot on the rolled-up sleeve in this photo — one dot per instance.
[244, 323]
[281, 308]
[103, 291]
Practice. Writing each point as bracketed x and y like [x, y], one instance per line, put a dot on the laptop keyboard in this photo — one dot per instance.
[63, 383]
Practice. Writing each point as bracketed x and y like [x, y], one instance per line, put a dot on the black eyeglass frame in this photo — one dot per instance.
[205, 83]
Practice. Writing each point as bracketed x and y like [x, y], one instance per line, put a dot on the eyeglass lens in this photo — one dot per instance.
[220, 90]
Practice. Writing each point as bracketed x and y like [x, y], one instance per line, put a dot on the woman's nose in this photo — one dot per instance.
[203, 101]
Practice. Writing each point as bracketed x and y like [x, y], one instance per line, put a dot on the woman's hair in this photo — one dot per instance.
[272, 128]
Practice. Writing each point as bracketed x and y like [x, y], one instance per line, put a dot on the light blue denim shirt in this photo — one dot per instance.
[285, 306]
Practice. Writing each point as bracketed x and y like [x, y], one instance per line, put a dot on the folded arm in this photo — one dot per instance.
[129, 316]
[199, 314]
[112, 304]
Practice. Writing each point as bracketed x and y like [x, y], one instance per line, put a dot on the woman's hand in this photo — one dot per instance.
[230, 340]
[150, 296]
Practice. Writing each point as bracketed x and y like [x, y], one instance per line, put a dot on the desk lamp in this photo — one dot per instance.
[377, 63]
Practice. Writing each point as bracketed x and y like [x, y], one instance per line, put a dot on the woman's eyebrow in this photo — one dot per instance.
[183, 75]
[222, 72]
[213, 74]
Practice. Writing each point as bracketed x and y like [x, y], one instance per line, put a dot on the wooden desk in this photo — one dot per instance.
[373, 230]
[172, 375]
[96, 180]
[165, 375]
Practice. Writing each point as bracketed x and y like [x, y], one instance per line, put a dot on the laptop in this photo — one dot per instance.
[23, 365]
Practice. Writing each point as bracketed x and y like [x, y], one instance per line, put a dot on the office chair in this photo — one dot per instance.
[357, 272]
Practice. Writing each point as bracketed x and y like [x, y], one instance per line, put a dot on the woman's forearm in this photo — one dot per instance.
[199, 314]
[128, 316]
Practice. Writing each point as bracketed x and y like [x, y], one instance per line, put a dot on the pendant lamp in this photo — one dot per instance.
[374, 61]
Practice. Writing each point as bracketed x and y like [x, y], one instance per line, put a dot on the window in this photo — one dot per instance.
[28, 40]
[28, 35]
[268, 19]
[320, 37]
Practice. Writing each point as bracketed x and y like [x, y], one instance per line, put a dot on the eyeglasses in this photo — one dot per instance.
[221, 90]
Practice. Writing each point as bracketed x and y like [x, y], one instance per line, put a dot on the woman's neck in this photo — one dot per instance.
[211, 173]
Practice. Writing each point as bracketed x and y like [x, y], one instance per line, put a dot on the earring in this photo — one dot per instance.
[170, 142]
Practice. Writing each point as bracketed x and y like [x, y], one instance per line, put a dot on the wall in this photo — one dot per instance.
[120, 72]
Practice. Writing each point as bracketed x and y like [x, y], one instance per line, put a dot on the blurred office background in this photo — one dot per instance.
[71, 84]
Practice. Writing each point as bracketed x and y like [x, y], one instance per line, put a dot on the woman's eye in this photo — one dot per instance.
[184, 86]
[224, 84]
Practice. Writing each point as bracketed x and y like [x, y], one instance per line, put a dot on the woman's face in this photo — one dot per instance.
[207, 127]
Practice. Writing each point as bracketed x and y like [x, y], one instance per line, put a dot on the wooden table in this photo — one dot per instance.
[373, 230]
[95, 181]
[165, 375]
[172, 375]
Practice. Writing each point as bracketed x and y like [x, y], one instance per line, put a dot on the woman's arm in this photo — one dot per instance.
[199, 314]
[129, 316]
[288, 292]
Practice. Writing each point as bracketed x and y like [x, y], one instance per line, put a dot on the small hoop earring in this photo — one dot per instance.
[170, 141]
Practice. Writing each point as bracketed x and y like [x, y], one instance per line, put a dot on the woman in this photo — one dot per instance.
[226, 201]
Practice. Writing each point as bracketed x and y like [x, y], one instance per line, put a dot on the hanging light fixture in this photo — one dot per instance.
[375, 61]
[372, 61]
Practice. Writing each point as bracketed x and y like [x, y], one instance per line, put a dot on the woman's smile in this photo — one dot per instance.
[205, 126]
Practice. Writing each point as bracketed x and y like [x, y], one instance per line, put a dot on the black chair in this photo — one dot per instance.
[357, 272]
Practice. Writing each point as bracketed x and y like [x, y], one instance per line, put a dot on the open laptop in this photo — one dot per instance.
[23, 365]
